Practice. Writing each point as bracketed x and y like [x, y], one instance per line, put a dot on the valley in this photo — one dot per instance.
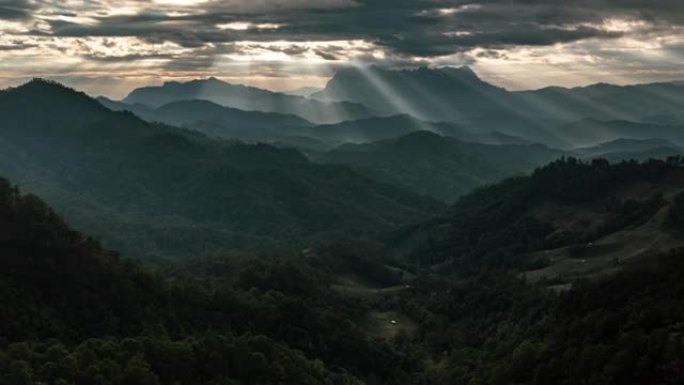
[180, 236]
[341, 192]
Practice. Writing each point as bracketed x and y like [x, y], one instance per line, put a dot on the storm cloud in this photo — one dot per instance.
[407, 27]
[335, 31]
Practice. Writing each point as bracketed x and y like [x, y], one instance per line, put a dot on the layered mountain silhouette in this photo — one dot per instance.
[627, 145]
[571, 274]
[247, 98]
[651, 103]
[122, 177]
[588, 132]
[459, 95]
[379, 128]
[217, 121]
[442, 167]
[448, 94]
[559, 117]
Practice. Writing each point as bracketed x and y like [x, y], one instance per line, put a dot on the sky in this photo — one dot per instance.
[110, 47]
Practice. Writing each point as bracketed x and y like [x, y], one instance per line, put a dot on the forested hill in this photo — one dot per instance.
[579, 217]
[343, 312]
[73, 313]
[440, 166]
[154, 190]
[58, 282]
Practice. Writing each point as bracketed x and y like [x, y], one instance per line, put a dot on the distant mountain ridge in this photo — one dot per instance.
[459, 95]
[588, 132]
[554, 116]
[288, 130]
[442, 167]
[639, 102]
[217, 121]
[445, 94]
[248, 99]
[626, 145]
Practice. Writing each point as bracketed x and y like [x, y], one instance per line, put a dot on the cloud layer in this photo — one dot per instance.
[302, 39]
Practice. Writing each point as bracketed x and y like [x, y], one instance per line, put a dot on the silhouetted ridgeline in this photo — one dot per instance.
[151, 189]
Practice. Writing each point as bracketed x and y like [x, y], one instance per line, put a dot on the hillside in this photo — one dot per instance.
[63, 283]
[247, 99]
[288, 130]
[565, 221]
[346, 312]
[217, 121]
[590, 132]
[442, 167]
[149, 189]
[390, 127]
[655, 103]
[625, 145]
[75, 313]
[190, 112]
[402, 101]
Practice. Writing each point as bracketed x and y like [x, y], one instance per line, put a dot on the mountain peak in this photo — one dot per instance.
[44, 84]
[209, 81]
[463, 73]
[463, 70]
[42, 90]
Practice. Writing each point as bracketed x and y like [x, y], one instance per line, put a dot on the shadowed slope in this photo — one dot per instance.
[170, 191]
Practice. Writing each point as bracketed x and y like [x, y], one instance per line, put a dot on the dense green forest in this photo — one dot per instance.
[151, 190]
[495, 225]
[74, 313]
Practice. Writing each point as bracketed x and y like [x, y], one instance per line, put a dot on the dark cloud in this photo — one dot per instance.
[407, 27]
[411, 31]
[16, 9]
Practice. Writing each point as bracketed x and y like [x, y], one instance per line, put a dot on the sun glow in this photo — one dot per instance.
[244, 26]
[188, 3]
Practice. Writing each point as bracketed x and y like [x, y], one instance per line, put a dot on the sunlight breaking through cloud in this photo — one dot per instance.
[514, 44]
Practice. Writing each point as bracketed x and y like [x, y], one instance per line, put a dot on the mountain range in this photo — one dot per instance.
[152, 189]
[454, 171]
[459, 95]
[248, 99]
[190, 241]
[442, 167]
[377, 170]
[498, 289]
[558, 117]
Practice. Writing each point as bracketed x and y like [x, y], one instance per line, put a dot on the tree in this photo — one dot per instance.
[138, 372]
